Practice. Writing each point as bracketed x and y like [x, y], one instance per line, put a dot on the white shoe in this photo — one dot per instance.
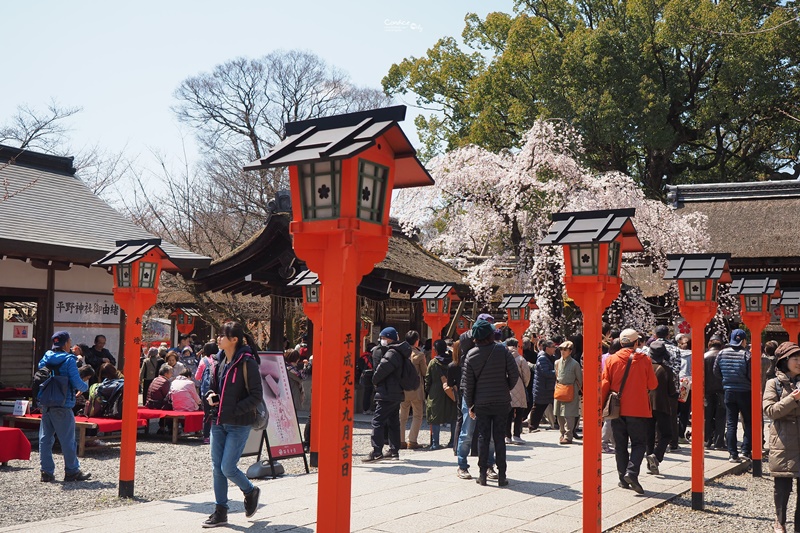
[509, 441]
[518, 440]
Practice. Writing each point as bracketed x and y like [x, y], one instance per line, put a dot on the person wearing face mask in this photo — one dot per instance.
[781, 404]
[388, 394]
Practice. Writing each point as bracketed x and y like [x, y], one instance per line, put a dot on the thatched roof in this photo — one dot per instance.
[751, 221]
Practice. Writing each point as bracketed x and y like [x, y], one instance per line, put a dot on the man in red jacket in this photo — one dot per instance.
[635, 410]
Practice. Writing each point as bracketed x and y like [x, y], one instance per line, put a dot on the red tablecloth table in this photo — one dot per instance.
[192, 420]
[15, 393]
[14, 445]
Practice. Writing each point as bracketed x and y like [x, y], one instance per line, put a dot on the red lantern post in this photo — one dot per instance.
[790, 318]
[136, 267]
[697, 276]
[518, 308]
[755, 294]
[593, 244]
[183, 321]
[437, 300]
[342, 171]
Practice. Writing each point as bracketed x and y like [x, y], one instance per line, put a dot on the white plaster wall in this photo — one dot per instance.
[81, 279]
[20, 275]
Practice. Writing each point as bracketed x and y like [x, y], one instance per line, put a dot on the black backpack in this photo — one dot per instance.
[110, 392]
[40, 377]
[409, 377]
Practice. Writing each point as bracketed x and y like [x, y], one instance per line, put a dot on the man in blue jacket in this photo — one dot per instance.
[61, 420]
[733, 368]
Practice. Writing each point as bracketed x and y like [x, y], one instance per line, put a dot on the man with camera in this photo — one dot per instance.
[635, 368]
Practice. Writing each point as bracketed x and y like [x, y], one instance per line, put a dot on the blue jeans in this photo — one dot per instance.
[227, 445]
[465, 439]
[435, 430]
[58, 421]
[738, 402]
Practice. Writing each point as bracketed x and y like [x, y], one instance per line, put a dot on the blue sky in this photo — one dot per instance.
[121, 62]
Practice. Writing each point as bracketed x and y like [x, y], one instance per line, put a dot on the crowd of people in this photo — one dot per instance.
[488, 389]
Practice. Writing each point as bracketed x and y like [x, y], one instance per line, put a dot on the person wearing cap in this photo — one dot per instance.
[635, 410]
[490, 373]
[60, 421]
[714, 397]
[570, 373]
[189, 360]
[466, 425]
[544, 382]
[733, 368]
[781, 404]
[388, 395]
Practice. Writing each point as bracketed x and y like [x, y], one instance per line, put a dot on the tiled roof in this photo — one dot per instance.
[52, 215]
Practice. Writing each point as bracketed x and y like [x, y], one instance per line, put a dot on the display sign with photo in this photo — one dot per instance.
[283, 432]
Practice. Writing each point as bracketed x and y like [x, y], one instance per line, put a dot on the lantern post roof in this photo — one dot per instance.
[432, 291]
[698, 266]
[590, 227]
[305, 278]
[516, 301]
[755, 285]
[128, 252]
[345, 136]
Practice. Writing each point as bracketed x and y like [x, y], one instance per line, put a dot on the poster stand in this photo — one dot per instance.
[280, 403]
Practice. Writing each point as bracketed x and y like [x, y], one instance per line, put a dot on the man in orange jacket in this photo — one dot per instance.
[635, 410]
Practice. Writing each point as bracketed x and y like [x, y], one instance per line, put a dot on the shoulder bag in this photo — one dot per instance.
[612, 406]
[262, 415]
[563, 393]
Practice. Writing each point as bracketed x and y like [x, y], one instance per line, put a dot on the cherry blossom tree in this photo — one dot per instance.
[488, 211]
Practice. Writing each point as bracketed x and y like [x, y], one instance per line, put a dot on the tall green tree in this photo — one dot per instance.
[667, 91]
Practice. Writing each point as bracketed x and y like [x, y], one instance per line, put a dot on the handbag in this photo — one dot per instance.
[612, 405]
[686, 387]
[447, 389]
[563, 393]
[262, 415]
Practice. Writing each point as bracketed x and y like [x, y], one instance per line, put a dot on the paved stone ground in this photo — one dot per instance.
[420, 492]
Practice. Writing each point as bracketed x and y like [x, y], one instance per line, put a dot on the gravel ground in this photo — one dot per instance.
[163, 470]
[736, 502]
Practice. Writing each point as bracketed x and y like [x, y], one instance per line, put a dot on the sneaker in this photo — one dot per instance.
[413, 446]
[218, 518]
[206, 441]
[393, 455]
[464, 474]
[683, 440]
[47, 478]
[433, 447]
[607, 449]
[633, 481]
[623, 484]
[491, 473]
[652, 464]
[372, 457]
[577, 436]
[403, 446]
[509, 441]
[562, 440]
[77, 476]
[734, 459]
[251, 502]
[518, 440]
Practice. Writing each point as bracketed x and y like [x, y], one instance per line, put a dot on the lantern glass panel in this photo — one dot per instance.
[320, 189]
[180, 318]
[372, 180]
[446, 305]
[124, 275]
[514, 313]
[189, 319]
[147, 275]
[614, 254]
[432, 306]
[753, 303]
[790, 311]
[584, 259]
[694, 290]
[312, 295]
[526, 313]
